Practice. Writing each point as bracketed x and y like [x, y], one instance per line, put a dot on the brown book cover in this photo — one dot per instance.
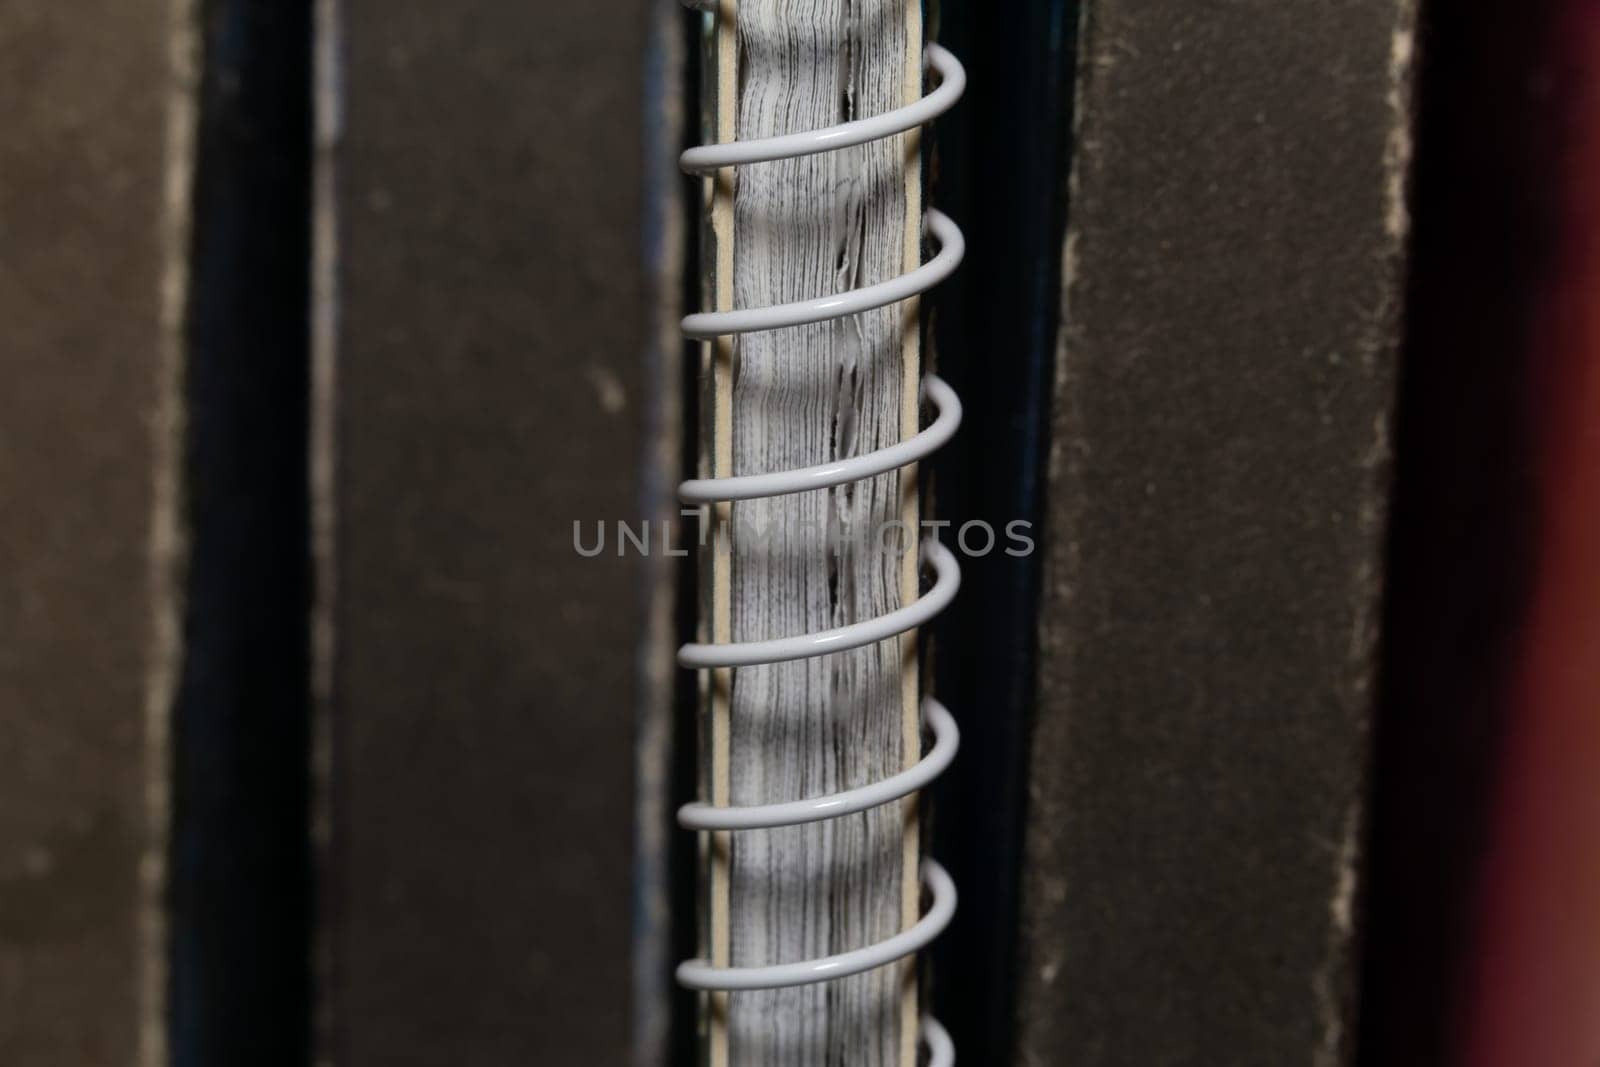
[1232, 288]
[95, 166]
[482, 388]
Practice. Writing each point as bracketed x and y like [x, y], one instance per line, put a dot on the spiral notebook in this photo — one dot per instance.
[808, 650]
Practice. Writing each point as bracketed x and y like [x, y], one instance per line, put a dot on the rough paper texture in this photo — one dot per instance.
[813, 561]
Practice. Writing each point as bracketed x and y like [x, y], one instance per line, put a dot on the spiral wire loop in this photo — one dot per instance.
[699, 974]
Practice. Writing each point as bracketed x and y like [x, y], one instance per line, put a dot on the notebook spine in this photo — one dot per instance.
[701, 974]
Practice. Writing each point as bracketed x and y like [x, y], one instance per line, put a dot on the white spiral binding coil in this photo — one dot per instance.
[699, 974]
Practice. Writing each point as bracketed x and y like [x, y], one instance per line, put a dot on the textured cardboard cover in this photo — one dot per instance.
[488, 382]
[1232, 289]
[89, 262]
